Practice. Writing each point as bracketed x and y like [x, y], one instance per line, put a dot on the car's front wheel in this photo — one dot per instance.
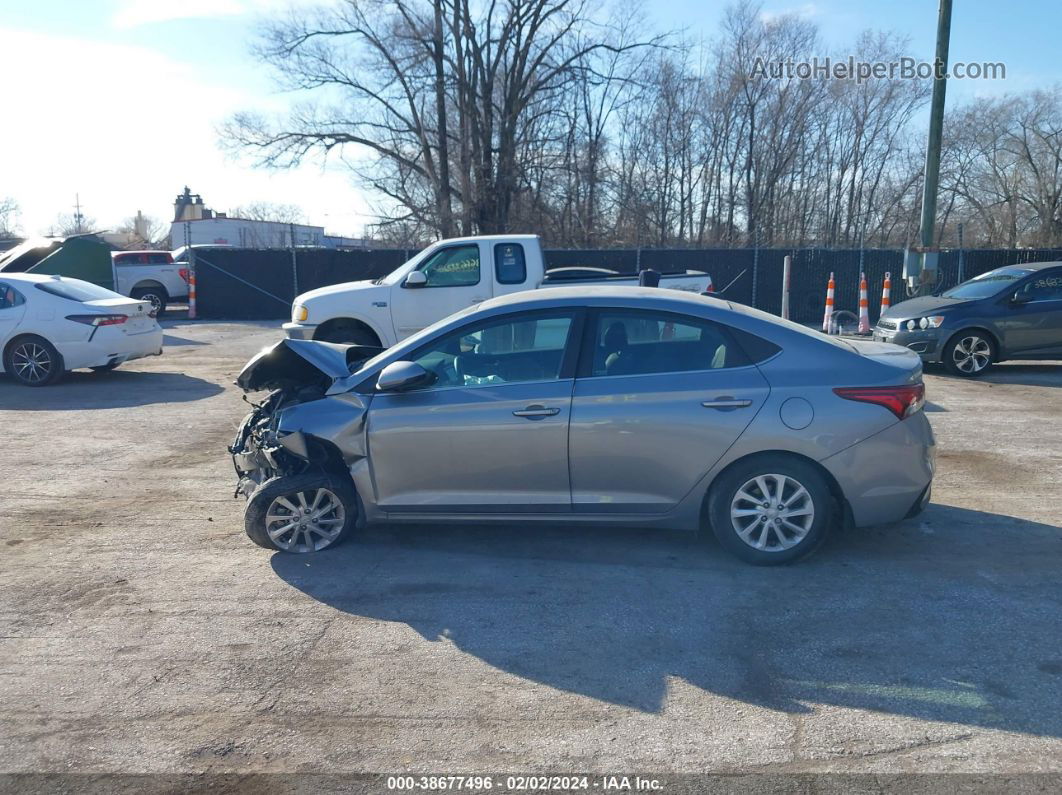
[969, 353]
[770, 510]
[33, 361]
[301, 513]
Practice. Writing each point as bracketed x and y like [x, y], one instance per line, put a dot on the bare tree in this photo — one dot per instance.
[443, 99]
[9, 214]
[270, 211]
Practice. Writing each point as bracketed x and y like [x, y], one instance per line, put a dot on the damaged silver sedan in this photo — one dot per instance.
[613, 405]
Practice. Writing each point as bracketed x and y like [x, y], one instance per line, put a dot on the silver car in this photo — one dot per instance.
[619, 405]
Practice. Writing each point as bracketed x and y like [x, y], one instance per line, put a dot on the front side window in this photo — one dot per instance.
[636, 343]
[1044, 287]
[527, 348]
[453, 267]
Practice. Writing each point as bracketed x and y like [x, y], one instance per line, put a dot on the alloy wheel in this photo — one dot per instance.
[32, 362]
[972, 354]
[772, 512]
[306, 521]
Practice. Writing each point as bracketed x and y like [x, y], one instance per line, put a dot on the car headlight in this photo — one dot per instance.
[931, 322]
[299, 313]
[912, 325]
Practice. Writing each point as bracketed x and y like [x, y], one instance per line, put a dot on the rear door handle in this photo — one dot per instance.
[536, 412]
[478, 300]
[727, 403]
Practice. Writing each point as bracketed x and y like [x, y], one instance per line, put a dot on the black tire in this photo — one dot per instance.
[968, 349]
[348, 334]
[289, 487]
[724, 494]
[25, 356]
[156, 295]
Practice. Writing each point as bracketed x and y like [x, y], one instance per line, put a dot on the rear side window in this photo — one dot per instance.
[756, 348]
[9, 296]
[75, 290]
[628, 342]
[509, 264]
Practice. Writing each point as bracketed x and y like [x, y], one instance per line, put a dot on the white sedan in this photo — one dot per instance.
[51, 324]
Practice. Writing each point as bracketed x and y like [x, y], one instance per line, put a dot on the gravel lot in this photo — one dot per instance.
[142, 632]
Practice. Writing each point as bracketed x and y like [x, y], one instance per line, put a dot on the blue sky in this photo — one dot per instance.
[125, 95]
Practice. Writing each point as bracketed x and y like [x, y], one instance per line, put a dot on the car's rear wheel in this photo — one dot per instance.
[156, 295]
[301, 513]
[969, 354]
[33, 361]
[769, 510]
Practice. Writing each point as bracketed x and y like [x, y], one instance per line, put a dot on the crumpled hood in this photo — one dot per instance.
[919, 307]
[298, 363]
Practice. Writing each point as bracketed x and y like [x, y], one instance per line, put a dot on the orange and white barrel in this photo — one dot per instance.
[864, 305]
[829, 305]
[191, 293]
[886, 292]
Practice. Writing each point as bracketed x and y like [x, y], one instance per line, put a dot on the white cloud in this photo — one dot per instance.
[127, 127]
[134, 13]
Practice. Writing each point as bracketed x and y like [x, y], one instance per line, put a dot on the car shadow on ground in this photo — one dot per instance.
[952, 616]
[1017, 373]
[84, 389]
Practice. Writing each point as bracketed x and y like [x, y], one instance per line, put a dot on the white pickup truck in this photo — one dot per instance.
[150, 276]
[442, 279]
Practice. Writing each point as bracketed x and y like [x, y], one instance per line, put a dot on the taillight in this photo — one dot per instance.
[98, 320]
[903, 401]
[184, 274]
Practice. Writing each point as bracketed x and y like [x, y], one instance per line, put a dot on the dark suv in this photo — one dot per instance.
[1009, 313]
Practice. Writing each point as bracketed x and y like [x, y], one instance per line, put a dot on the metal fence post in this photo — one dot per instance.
[191, 270]
[294, 261]
[755, 272]
[787, 269]
[961, 263]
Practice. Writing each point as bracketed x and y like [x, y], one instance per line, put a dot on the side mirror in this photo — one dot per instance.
[400, 376]
[415, 279]
[1020, 298]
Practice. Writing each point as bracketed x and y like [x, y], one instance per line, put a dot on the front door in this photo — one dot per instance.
[455, 280]
[491, 434]
[1035, 327]
[659, 399]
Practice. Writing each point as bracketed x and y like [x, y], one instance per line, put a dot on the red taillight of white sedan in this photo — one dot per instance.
[98, 320]
[903, 401]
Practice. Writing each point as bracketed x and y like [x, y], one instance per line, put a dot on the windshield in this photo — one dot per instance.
[987, 284]
[75, 290]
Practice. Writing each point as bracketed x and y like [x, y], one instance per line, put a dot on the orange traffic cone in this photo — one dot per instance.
[886, 292]
[864, 306]
[829, 306]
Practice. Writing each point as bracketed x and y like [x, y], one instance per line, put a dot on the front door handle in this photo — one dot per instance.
[478, 300]
[536, 412]
[727, 403]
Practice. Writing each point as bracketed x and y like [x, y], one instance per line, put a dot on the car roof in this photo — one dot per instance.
[1028, 266]
[605, 295]
[30, 277]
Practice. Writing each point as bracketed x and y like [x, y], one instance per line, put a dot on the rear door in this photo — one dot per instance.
[659, 398]
[12, 308]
